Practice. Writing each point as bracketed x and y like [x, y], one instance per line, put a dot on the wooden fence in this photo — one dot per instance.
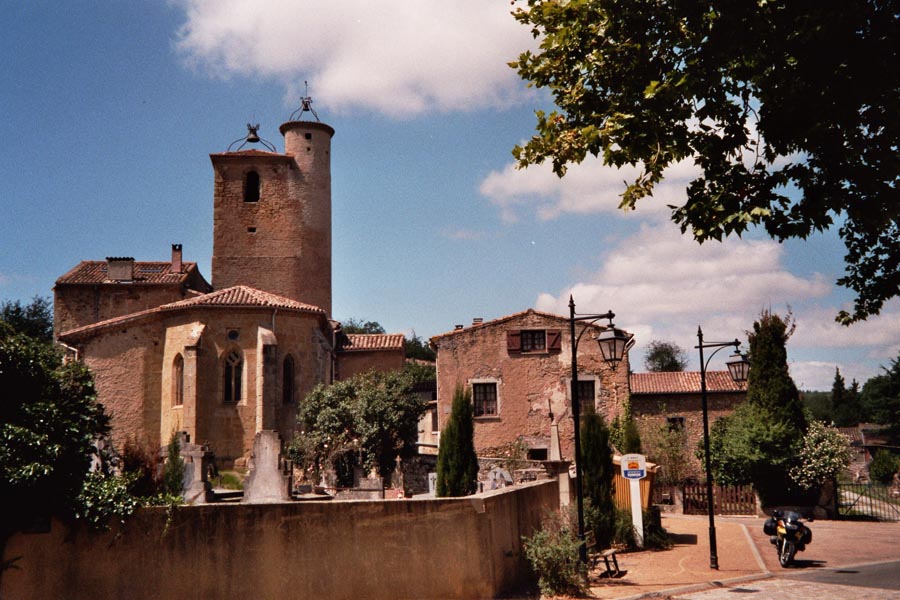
[727, 500]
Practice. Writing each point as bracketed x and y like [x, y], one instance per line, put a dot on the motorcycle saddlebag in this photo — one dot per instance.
[769, 527]
[807, 535]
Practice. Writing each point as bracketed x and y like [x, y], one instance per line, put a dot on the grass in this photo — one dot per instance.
[229, 480]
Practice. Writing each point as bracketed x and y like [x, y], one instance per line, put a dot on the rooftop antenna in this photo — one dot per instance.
[305, 106]
[252, 137]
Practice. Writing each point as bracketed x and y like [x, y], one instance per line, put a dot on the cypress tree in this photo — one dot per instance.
[769, 385]
[457, 467]
[597, 470]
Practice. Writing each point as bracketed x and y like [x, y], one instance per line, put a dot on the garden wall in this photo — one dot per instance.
[429, 548]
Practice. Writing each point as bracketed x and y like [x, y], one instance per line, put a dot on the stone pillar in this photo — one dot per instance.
[266, 379]
[196, 488]
[189, 397]
[557, 468]
[269, 479]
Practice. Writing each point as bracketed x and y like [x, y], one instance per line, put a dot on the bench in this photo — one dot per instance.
[612, 568]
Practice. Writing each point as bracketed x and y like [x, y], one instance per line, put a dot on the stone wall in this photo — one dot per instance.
[530, 385]
[651, 412]
[443, 548]
[354, 363]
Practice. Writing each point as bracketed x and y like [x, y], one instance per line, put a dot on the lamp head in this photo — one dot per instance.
[613, 344]
[738, 366]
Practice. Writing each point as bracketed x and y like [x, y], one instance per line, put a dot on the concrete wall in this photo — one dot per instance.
[444, 548]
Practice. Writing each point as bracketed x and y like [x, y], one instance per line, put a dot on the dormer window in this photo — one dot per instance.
[251, 187]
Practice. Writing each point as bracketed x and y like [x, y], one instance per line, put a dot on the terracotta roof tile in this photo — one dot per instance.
[683, 382]
[234, 297]
[241, 295]
[93, 272]
[373, 341]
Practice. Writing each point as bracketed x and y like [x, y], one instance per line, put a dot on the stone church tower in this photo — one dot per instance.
[272, 216]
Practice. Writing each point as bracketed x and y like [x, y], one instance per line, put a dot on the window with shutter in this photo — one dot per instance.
[533, 340]
[554, 339]
[514, 340]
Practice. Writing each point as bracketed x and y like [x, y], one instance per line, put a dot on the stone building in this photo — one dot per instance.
[518, 369]
[361, 352]
[673, 400]
[170, 352]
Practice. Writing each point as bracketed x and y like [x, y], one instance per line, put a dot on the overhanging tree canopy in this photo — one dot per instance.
[788, 109]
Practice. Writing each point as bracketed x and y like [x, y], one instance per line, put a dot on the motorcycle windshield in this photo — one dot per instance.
[790, 516]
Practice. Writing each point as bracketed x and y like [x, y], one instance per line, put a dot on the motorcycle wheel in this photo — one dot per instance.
[786, 553]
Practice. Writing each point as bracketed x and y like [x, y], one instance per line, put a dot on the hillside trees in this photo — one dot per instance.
[880, 398]
[457, 467]
[787, 111]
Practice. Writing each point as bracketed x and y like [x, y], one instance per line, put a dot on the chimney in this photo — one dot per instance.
[458, 327]
[176, 258]
[477, 321]
[120, 268]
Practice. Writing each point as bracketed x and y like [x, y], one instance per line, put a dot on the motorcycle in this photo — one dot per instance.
[788, 533]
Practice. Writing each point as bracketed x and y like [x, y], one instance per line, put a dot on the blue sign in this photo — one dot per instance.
[634, 473]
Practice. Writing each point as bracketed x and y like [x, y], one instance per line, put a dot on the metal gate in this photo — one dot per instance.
[727, 500]
[867, 501]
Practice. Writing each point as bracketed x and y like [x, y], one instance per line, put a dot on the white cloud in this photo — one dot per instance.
[589, 187]
[400, 58]
[660, 274]
[663, 285]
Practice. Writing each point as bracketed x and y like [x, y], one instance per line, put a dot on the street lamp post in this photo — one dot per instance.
[738, 367]
[613, 345]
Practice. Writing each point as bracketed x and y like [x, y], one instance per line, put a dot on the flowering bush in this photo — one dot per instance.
[825, 453]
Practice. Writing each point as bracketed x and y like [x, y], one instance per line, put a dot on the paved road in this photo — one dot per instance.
[863, 582]
[855, 560]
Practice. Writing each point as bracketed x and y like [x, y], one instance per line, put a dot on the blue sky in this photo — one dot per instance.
[110, 110]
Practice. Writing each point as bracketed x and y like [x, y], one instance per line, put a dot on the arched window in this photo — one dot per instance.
[251, 187]
[287, 380]
[178, 381]
[234, 365]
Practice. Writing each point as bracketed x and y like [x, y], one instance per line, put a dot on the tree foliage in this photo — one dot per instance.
[760, 441]
[354, 325]
[366, 421]
[665, 356]
[457, 466]
[667, 446]
[34, 320]
[880, 398]
[769, 384]
[884, 466]
[846, 404]
[597, 469]
[49, 422]
[416, 347]
[787, 109]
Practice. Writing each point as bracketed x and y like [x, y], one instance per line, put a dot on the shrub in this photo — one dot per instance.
[883, 467]
[173, 471]
[825, 453]
[553, 555]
